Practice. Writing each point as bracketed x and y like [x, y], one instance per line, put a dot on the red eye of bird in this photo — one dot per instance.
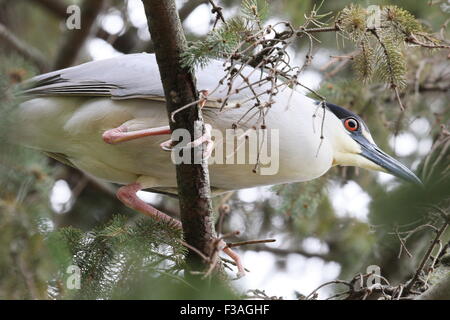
[351, 124]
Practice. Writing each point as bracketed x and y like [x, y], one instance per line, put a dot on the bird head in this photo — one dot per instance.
[354, 146]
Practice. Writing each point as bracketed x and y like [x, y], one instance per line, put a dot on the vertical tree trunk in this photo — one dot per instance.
[179, 89]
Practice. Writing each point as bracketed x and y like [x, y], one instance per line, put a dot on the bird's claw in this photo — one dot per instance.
[239, 275]
[167, 145]
[113, 136]
[204, 139]
[235, 257]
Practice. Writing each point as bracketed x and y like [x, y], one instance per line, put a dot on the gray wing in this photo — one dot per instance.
[122, 77]
[132, 76]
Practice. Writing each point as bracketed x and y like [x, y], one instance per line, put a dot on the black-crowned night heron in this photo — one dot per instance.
[80, 114]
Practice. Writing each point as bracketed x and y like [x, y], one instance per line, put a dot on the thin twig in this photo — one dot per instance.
[242, 243]
[427, 255]
[187, 245]
[24, 49]
[218, 12]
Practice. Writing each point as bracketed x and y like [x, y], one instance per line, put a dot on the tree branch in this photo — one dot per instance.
[24, 49]
[184, 12]
[179, 89]
[285, 252]
[323, 29]
[426, 257]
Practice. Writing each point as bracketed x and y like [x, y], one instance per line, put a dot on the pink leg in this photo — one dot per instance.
[127, 194]
[121, 134]
[236, 258]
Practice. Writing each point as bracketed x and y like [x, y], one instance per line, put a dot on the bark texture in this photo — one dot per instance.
[179, 89]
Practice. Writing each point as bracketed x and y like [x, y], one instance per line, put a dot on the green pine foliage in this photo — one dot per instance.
[381, 47]
[219, 43]
[364, 62]
[254, 10]
[390, 62]
[398, 19]
[302, 198]
[24, 216]
[223, 41]
[124, 259]
[352, 21]
[111, 257]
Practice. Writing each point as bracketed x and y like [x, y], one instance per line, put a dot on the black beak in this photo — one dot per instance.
[394, 167]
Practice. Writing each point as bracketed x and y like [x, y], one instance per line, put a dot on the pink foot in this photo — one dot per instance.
[111, 136]
[236, 258]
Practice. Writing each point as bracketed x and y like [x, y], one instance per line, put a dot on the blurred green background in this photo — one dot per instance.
[52, 216]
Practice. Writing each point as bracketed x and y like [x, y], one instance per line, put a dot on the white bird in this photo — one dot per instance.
[108, 118]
